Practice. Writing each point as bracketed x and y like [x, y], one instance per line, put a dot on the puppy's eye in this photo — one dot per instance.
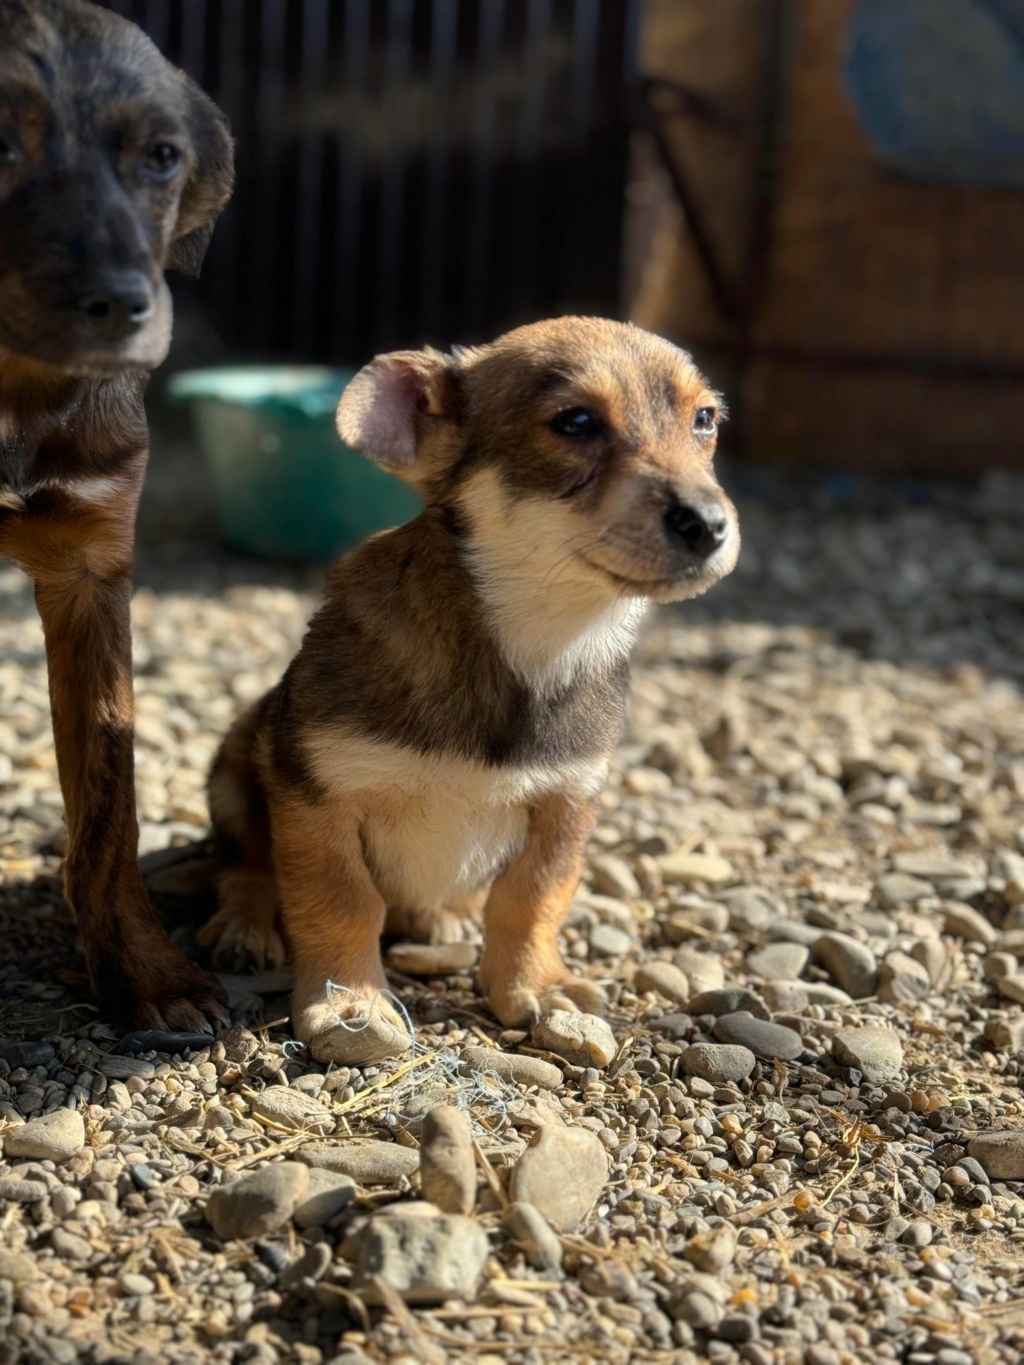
[8, 153]
[577, 422]
[705, 421]
[162, 160]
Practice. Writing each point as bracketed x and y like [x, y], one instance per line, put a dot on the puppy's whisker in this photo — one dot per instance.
[533, 552]
[555, 570]
[571, 556]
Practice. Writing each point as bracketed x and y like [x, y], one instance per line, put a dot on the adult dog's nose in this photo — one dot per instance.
[117, 302]
[699, 526]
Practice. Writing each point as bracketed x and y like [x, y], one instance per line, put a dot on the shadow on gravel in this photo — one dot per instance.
[46, 989]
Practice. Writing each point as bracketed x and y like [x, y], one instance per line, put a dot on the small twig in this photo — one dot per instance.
[490, 1175]
[854, 1166]
[352, 1299]
[358, 1101]
[168, 1255]
[502, 1282]
[397, 1307]
[504, 1309]
[769, 1206]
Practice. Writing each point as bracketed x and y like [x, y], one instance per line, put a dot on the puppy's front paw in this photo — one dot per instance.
[522, 997]
[353, 1026]
[238, 940]
[427, 924]
[245, 931]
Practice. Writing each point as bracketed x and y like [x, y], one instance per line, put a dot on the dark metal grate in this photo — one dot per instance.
[409, 170]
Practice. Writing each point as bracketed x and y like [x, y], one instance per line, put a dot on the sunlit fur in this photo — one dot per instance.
[447, 725]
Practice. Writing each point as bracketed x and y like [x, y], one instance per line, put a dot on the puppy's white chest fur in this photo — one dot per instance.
[436, 826]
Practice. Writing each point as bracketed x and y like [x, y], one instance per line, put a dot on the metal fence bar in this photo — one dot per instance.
[308, 198]
[586, 22]
[156, 20]
[192, 45]
[436, 203]
[269, 125]
[355, 76]
[229, 81]
[530, 135]
[478, 221]
[395, 103]
[634, 12]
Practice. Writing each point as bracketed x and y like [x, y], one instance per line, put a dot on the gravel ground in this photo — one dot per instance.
[805, 897]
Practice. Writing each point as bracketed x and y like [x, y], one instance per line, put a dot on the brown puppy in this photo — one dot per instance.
[113, 165]
[448, 722]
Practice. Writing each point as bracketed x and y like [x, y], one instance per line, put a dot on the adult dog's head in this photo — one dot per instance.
[113, 167]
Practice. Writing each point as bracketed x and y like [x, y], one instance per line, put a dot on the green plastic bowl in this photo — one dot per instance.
[286, 486]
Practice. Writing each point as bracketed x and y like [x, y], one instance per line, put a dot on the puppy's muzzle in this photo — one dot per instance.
[114, 304]
[699, 527]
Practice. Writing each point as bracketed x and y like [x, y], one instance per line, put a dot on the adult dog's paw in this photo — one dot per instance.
[161, 989]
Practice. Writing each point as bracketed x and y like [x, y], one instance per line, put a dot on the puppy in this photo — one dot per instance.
[113, 166]
[447, 725]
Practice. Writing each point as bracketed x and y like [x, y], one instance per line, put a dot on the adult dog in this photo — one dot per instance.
[113, 167]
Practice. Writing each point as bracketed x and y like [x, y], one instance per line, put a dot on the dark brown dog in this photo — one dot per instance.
[113, 166]
[445, 730]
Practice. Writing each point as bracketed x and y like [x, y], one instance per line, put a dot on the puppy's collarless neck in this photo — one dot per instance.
[552, 639]
[554, 619]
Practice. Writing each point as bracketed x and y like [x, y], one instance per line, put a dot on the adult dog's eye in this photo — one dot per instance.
[577, 422]
[8, 152]
[705, 421]
[162, 160]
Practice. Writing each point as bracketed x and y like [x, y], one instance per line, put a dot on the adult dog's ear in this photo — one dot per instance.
[210, 183]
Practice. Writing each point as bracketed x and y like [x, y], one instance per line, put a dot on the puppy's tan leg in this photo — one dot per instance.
[334, 917]
[247, 921]
[521, 968]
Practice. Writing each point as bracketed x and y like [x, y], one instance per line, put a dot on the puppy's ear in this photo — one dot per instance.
[385, 409]
[210, 183]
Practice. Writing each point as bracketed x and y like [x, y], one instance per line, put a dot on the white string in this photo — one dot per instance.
[361, 1022]
[481, 1089]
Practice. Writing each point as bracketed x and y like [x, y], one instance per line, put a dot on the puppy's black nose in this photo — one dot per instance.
[117, 302]
[700, 527]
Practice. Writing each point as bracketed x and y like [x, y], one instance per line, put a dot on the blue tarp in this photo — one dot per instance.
[938, 87]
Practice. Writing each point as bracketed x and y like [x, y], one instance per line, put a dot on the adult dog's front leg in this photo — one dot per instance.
[521, 968]
[81, 565]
